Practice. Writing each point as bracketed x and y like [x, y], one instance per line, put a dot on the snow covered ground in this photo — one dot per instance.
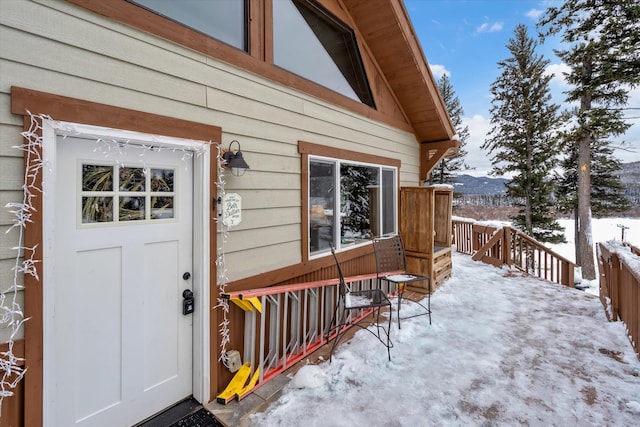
[502, 350]
[604, 229]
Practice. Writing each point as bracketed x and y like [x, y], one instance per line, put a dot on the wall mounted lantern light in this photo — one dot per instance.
[235, 161]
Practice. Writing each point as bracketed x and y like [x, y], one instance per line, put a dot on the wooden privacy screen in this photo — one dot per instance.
[425, 225]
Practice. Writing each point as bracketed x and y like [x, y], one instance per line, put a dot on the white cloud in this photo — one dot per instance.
[479, 127]
[559, 85]
[488, 27]
[439, 70]
[496, 26]
[534, 13]
[557, 72]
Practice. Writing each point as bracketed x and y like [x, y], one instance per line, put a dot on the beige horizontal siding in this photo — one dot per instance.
[6, 274]
[8, 242]
[256, 199]
[6, 118]
[12, 172]
[97, 67]
[55, 47]
[6, 216]
[10, 137]
[31, 77]
[243, 267]
[262, 218]
[254, 238]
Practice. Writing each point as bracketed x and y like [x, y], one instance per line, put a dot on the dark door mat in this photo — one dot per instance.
[188, 413]
[200, 418]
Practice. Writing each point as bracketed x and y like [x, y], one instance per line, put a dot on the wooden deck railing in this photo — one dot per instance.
[620, 286]
[506, 245]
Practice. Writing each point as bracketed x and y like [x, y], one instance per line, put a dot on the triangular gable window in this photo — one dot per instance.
[309, 41]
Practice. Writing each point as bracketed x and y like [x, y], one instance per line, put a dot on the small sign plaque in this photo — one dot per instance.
[231, 209]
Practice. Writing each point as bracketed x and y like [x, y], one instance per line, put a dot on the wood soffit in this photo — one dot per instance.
[390, 36]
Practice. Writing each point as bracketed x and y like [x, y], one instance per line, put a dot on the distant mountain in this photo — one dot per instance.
[479, 185]
[468, 185]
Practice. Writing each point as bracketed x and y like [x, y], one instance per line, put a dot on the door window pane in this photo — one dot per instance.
[161, 179]
[131, 208]
[97, 178]
[161, 207]
[97, 209]
[132, 179]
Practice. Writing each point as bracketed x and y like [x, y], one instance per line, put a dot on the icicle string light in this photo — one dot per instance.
[222, 279]
[11, 314]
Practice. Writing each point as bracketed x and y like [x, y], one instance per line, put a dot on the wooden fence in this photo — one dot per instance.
[620, 286]
[507, 246]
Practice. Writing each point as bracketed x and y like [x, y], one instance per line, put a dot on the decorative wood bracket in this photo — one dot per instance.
[432, 152]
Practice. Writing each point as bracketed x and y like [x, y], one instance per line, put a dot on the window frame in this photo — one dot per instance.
[351, 47]
[309, 152]
[246, 17]
[259, 59]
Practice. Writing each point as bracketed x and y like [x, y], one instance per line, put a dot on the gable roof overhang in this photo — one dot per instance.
[386, 28]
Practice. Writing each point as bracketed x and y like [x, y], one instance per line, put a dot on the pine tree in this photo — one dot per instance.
[603, 39]
[444, 172]
[523, 139]
[607, 192]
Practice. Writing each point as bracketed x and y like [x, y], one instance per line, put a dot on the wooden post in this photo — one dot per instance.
[614, 284]
[506, 246]
[475, 238]
[569, 274]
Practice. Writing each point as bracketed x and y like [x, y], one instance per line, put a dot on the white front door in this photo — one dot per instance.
[119, 348]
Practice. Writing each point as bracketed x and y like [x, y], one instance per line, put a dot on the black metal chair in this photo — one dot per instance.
[350, 306]
[391, 266]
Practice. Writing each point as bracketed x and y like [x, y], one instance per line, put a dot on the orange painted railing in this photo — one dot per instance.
[620, 286]
[507, 246]
[286, 323]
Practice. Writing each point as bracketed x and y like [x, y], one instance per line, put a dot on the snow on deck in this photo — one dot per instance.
[502, 350]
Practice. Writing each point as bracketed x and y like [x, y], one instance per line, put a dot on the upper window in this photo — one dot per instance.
[349, 203]
[309, 41]
[225, 20]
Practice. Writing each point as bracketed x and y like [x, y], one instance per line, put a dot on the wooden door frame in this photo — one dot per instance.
[62, 108]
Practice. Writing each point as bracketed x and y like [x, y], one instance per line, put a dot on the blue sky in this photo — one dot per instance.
[466, 39]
